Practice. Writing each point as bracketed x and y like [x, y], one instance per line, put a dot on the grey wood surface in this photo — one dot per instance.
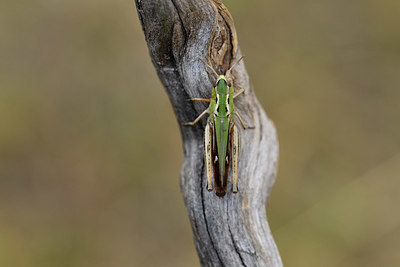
[233, 230]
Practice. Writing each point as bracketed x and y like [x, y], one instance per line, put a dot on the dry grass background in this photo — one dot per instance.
[90, 151]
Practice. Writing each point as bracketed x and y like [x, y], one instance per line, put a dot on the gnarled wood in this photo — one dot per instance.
[233, 230]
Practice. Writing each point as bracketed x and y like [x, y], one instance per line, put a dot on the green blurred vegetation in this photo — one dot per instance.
[90, 151]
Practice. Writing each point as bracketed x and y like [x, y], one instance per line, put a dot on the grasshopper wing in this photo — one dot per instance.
[220, 179]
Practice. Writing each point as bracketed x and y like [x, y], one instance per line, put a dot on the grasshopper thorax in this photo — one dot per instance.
[223, 78]
[222, 84]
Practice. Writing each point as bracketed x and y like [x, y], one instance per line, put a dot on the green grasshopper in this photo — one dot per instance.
[221, 140]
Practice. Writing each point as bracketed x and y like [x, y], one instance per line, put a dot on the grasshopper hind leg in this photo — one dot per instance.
[234, 156]
[208, 155]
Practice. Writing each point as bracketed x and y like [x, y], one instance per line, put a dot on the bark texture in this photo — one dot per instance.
[233, 230]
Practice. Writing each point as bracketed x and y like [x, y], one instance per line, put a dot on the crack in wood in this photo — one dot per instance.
[205, 219]
[233, 240]
[184, 31]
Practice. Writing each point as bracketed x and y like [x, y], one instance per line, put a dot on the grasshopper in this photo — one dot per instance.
[221, 139]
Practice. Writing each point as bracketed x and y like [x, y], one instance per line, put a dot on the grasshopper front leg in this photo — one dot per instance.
[199, 99]
[241, 91]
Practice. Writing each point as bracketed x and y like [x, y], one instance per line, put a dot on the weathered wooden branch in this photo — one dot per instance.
[233, 230]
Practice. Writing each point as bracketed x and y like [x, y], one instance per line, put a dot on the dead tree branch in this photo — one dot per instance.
[233, 230]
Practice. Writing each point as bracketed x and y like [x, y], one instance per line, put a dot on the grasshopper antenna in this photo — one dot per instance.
[234, 64]
[205, 63]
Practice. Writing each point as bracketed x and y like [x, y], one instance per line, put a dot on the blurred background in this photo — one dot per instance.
[90, 151]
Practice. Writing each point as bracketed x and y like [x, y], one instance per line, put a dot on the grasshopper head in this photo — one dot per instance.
[227, 77]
